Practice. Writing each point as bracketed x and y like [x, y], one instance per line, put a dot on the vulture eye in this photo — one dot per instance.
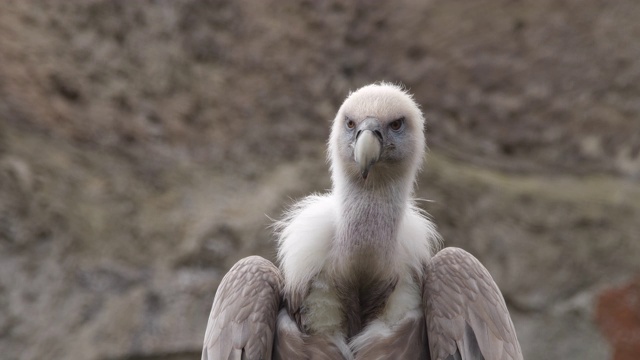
[397, 124]
[350, 124]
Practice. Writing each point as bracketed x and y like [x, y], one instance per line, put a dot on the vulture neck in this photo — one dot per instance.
[364, 255]
[370, 213]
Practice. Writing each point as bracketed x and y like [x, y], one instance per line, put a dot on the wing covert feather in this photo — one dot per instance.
[243, 316]
[465, 311]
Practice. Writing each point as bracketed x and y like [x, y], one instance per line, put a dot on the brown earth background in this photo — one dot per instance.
[145, 145]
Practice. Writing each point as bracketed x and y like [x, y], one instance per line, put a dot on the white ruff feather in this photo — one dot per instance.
[304, 240]
[306, 237]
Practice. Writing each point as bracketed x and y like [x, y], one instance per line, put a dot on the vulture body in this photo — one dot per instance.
[358, 277]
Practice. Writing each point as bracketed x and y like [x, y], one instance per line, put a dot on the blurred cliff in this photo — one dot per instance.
[144, 146]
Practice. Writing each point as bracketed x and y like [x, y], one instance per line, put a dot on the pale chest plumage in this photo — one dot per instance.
[306, 244]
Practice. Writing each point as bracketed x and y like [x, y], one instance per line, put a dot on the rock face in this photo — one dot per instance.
[144, 147]
[618, 314]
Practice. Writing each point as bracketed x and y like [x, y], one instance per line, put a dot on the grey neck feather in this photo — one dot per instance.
[363, 255]
[370, 213]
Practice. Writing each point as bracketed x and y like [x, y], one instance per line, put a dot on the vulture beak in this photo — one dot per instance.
[368, 146]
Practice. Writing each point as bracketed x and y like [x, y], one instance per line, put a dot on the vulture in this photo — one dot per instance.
[358, 275]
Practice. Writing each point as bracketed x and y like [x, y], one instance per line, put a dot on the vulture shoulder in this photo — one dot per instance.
[465, 312]
[243, 317]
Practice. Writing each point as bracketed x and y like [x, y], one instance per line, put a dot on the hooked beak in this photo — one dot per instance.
[368, 146]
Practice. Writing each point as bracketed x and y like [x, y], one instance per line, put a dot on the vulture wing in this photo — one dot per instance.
[243, 317]
[465, 312]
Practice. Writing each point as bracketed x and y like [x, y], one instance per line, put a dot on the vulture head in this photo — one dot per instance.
[377, 137]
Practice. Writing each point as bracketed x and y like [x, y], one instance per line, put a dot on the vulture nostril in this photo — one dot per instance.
[358, 134]
[378, 134]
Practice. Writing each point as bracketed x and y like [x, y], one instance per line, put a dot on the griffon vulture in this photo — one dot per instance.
[358, 277]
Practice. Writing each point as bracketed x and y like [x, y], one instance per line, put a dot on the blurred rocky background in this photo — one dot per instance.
[145, 145]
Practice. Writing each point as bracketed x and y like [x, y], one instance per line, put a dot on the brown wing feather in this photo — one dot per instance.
[244, 311]
[465, 311]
